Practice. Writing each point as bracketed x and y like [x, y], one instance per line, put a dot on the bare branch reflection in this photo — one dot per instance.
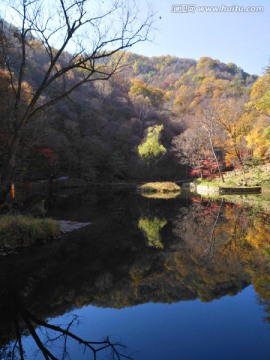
[49, 338]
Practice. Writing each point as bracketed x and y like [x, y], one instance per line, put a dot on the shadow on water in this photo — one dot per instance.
[136, 251]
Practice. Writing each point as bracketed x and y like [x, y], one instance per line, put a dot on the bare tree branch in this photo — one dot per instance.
[75, 36]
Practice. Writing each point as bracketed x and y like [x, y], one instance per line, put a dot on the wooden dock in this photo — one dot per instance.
[240, 190]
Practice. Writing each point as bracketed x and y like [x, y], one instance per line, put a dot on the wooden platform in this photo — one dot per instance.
[240, 190]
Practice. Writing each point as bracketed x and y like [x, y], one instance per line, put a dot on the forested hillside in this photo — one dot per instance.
[209, 111]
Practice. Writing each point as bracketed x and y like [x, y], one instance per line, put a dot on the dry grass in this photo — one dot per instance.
[159, 187]
[18, 231]
[257, 176]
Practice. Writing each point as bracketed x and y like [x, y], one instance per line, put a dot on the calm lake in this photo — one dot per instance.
[178, 279]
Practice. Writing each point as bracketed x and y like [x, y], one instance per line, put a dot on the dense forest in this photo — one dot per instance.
[208, 115]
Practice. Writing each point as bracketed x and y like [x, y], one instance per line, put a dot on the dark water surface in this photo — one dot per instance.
[178, 279]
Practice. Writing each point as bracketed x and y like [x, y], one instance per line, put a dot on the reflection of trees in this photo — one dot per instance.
[257, 254]
[200, 256]
[197, 224]
[210, 250]
[112, 266]
[151, 228]
[209, 227]
[232, 241]
[50, 338]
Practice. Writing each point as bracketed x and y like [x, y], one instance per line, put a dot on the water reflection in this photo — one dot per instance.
[195, 249]
[52, 341]
[151, 228]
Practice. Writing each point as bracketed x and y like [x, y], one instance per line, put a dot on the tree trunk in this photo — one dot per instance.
[8, 167]
[216, 159]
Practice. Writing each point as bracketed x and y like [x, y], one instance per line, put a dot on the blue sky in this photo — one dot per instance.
[242, 38]
[238, 37]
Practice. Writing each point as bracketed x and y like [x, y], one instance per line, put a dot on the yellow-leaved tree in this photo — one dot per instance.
[258, 113]
[151, 150]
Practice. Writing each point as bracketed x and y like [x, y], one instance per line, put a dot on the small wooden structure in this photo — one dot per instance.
[240, 190]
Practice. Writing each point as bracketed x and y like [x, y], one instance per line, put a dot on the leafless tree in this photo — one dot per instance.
[142, 105]
[209, 126]
[192, 148]
[82, 41]
[103, 89]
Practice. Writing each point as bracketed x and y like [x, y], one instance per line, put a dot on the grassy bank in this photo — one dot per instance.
[20, 231]
[257, 176]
